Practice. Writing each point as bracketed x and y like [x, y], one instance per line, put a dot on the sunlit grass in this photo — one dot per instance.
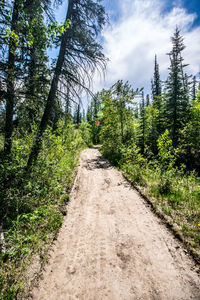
[33, 206]
[174, 193]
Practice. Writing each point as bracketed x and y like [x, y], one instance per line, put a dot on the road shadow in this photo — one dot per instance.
[98, 163]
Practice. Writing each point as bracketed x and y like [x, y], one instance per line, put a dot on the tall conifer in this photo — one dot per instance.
[177, 99]
[156, 83]
[157, 99]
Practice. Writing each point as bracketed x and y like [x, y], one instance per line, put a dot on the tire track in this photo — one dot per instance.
[112, 247]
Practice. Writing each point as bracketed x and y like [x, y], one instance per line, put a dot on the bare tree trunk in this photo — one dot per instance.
[10, 96]
[48, 112]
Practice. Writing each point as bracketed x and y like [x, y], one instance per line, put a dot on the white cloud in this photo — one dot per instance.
[142, 31]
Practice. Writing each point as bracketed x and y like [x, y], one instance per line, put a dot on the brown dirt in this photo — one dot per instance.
[111, 245]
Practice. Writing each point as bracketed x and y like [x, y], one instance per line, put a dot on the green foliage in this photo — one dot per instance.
[86, 133]
[54, 30]
[117, 120]
[143, 147]
[151, 130]
[156, 84]
[190, 138]
[110, 131]
[177, 104]
[33, 208]
[33, 200]
[166, 152]
[95, 114]
[172, 192]
[143, 144]
[30, 229]
[133, 163]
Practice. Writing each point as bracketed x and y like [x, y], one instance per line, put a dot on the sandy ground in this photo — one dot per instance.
[111, 246]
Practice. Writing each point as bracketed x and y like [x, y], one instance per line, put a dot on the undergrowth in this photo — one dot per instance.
[174, 192]
[33, 205]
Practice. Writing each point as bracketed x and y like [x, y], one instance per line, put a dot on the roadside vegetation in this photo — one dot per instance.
[155, 141]
[33, 205]
[42, 130]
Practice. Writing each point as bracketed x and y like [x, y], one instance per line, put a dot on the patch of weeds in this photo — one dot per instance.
[167, 210]
[170, 189]
[197, 238]
[186, 228]
[33, 206]
[154, 190]
[64, 198]
[176, 199]
[165, 186]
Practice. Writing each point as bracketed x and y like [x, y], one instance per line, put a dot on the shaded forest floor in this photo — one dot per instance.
[111, 245]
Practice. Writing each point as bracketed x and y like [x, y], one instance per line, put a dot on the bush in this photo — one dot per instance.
[33, 205]
[133, 163]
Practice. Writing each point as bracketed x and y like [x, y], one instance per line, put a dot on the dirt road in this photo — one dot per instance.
[111, 246]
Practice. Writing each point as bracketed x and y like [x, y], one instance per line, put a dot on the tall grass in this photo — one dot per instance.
[174, 193]
[33, 206]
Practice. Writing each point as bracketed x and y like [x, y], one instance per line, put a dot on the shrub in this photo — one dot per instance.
[33, 203]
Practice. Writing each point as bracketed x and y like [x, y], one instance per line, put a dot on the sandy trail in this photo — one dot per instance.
[111, 246]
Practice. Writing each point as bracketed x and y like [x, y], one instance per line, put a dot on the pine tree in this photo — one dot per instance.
[147, 100]
[156, 83]
[78, 115]
[176, 89]
[89, 115]
[157, 98]
[191, 136]
[96, 102]
[10, 78]
[79, 55]
[37, 77]
[194, 86]
[17, 49]
[142, 123]
[123, 97]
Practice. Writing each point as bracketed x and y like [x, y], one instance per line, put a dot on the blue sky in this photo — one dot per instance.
[192, 6]
[139, 29]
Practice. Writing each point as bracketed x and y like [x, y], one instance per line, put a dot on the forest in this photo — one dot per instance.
[153, 139]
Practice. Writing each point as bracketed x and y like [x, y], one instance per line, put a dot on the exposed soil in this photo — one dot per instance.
[111, 245]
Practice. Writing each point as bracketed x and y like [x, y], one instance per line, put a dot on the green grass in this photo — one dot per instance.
[176, 195]
[33, 206]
